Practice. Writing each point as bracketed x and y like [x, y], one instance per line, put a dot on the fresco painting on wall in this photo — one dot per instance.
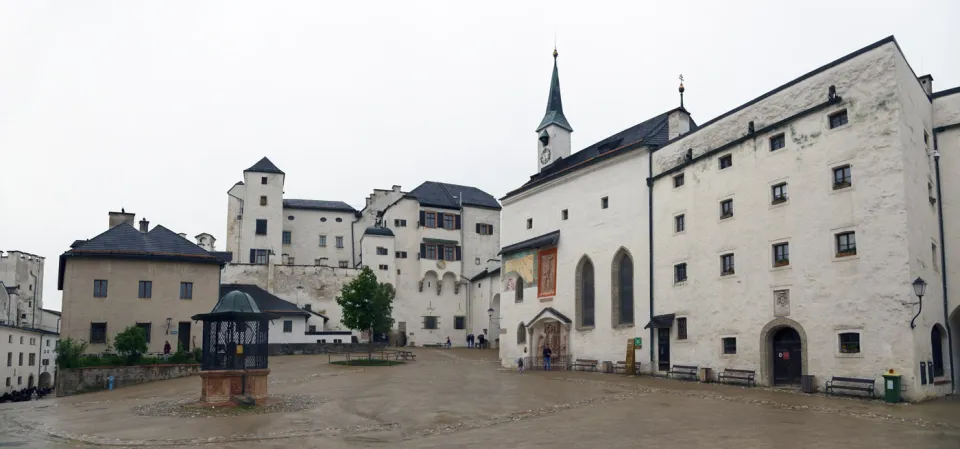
[521, 264]
[547, 275]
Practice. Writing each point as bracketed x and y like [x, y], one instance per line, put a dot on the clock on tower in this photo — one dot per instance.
[545, 156]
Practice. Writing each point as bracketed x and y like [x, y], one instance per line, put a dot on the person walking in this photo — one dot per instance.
[469, 340]
[166, 348]
[480, 339]
[520, 365]
[449, 343]
[546, 357]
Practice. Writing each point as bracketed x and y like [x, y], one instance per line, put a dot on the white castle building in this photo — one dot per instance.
[428, 243]
[782, 236]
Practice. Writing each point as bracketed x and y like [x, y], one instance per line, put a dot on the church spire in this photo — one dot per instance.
[554, 114]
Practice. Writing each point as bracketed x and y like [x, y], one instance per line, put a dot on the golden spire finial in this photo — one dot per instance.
[555, 53]
[681, 89]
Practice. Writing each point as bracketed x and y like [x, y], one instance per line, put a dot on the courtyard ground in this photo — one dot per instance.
[462, 398]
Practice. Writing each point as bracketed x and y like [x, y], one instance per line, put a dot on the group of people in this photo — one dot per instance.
[479, 342]
[25, 394]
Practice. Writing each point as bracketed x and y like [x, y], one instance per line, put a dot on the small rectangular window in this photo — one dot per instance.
[431, 218]
[729, 345]
[726, 161]
[263, 200]
[383, 267]
[841, 177]
[98, 333]
[678, 223]
[312, 328]
[261, 226]
[381, 251]
[263, 180]
[287, 237]
[401, 254]
[447, 221]
[344, 263]
[186, 290]
[933, 255]
[781, 254]
[431, 252]
[681, 328]
[838, 119]
[287, 326]
[564, 214]
[32, 360]
[9, 359]
[604, 202]
[679, 273]
[323, 241]
[145, 290]
[846, 244]
[678, 180]
[777, 142]
[484, 229]
[849, 343]
[260, 256]
[429, 322]
[726, 265]
[339, 242]
[100, 288]
[459, 322]
[779, 193]
[399, 223]
[449, 253]
[529, 223]
[20, 359]
[291, 261]
[726, 209]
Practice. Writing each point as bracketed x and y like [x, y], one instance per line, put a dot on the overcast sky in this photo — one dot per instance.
[157, 107]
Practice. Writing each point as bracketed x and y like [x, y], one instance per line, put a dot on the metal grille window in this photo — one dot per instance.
[730, 345]
[841, 177]
[287, 237]
[100, 288]
[98, 333]
[261, 226]
[186, 290]
[459, 322]
[678, 223]
[779, 193]
[726, 161]
[726, 209]
[323, 241]
[777, 142]
[288, 326]
[846, 244]
[147, 328]
[679, 273]
[145, 290]
[339, 242]
[381, 251]
[838, 119]
[781, 254]
[726, 265]
[678, 180]
[681, 328]
[850, 343]
[429, 322]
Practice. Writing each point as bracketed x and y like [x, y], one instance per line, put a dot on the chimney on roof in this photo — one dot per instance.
[120, 217]
[144, 225]
[926, 81]
[182, 234]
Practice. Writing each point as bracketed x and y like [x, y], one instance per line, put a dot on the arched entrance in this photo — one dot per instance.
[45, 380]
[30, 381]
[549, 328]
[783, 352]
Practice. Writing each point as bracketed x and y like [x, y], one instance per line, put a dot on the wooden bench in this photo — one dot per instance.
[585, 363]
[621, 366]
[683, 370]
[433, 345]
[852, 384]
[406, 356]
[738, 375]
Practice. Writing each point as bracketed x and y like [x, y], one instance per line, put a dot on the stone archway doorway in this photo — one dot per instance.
[45, 380]
[783, 353]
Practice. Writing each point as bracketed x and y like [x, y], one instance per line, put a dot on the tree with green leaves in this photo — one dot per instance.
[367, 304]
[131, 343]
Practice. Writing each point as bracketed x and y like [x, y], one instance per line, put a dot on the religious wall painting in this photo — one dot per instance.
[547, 272]
[521, 264]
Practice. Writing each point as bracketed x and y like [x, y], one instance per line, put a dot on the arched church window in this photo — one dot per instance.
[585, 298]
[936, 343]
[519, 290]
[521, 334]
[621, 284]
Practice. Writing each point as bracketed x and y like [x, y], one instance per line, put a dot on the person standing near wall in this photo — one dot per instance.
[546, 357]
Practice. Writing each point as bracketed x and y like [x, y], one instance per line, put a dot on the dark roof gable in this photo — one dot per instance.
[450, 196]
[336, 206]
[266, 301]
[124, 239]
[264, 166]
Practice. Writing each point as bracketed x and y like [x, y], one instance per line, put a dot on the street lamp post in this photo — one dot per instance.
[919, 288]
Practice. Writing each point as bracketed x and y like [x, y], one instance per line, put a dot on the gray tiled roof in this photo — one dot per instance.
[318, 205]
[378, 230]
[439, 194]
[554, 114]
[124, 239]
[264, 166]
[266, 301]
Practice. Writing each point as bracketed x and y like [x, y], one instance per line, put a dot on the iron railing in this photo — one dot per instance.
[557, 363]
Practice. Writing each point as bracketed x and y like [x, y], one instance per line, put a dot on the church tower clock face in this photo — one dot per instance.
[545, 156]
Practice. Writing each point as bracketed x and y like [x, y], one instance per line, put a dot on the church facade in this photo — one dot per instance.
[783, 236]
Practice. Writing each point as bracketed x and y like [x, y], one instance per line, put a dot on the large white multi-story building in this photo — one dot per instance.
[782, 236]
[21, 276]
[428, 243]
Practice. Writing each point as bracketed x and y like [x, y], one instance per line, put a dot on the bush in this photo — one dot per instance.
[131, 343]
[70, 352]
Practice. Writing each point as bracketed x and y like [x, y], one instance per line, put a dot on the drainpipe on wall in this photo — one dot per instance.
[943, 259]
[650, 244]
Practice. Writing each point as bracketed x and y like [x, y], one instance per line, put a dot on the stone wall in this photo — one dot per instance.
[84, 380]
[318, 348]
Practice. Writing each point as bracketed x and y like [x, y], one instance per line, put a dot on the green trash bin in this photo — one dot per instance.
[891, 387]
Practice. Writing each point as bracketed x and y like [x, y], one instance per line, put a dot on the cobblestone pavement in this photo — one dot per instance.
[462, 398]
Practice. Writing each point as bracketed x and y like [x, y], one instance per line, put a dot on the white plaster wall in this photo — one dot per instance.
[379, 200]
[369, 245]
[478, 247]
[10, 344]
[252, 211]
[298, 332]
[947, 112]
[18, 268]
[591, 231]
[235, 199]
[559, 145]
[484, 295]
[307, 226]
